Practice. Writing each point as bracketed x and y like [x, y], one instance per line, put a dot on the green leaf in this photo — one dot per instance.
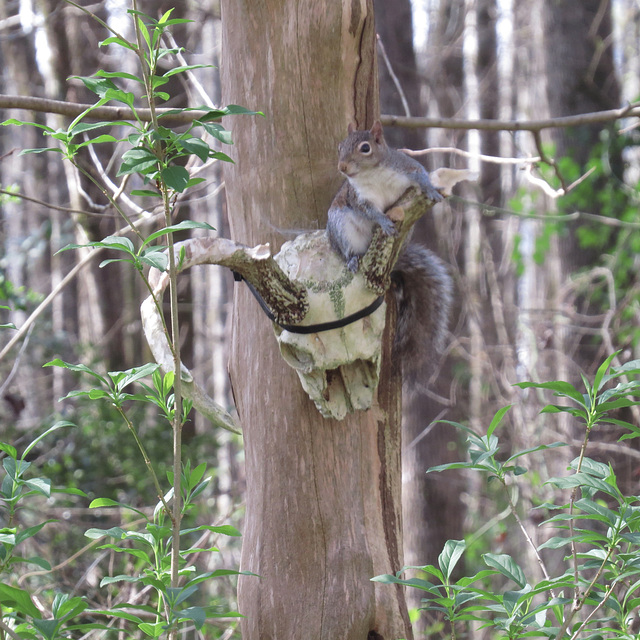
[186, 67]
[65, 607]
[542, 447]
[602, 370]
[124, 378]
[98, 140]
[99, 86]
[505, 564]
[497, 419]
[58, 425]
[72, 491]
[37, 560]
[592, 467]
[114, 532]
[196, 614]
[181, 226]
[223, 157]
[196, 475]
[29, 532]
[145, 32]
[152, 630]
[236, 110]
[112, 613]
[104, 263]
[8, 537]
[146, 192]
[215, 130]
[136, 553]
[108, 502]
[20, 123]
[43, 150]
[197, 147]
[8, 449]
[81, 368]
[120, 96]
[561, 388]
[119, 41]
[156, 259]
[48, 628]
[601, 513]
[138, 161]
[19, 599]
[423, 585]
[225, 529]
[582, 480]
[450, 555]
[122, 578]
[118, 74]
[175, 177]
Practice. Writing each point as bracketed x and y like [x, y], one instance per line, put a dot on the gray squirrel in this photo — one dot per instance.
[377, 176]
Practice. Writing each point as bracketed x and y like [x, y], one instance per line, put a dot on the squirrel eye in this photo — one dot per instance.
[365, 147]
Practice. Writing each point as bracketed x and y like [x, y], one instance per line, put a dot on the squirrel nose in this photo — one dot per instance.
[342, 167]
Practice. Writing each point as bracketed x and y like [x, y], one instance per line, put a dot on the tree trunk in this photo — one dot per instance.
[323, 497]
[431, 513]
[489, 97]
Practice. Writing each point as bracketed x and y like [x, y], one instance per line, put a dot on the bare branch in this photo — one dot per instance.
[72, 110]
[596, 117]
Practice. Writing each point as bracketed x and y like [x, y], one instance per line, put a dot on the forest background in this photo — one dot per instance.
[543, 251]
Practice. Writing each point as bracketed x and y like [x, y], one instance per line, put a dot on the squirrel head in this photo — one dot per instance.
[361, 150]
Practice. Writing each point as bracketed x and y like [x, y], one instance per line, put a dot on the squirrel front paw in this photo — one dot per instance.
[433, 194]
[387, 226]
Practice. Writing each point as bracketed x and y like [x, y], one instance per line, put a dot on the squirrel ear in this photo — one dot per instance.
[351, 128]
[376, 131]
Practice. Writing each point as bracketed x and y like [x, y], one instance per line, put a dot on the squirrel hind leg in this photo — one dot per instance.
[353, 263]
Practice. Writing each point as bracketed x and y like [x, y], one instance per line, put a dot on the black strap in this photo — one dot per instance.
[311, 328]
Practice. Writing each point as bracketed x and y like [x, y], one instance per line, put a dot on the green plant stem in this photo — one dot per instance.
[578, 599]
[9, 631]
[176, 517]
[593, 613]
[572, 500]
[579, 603]
[147, 461]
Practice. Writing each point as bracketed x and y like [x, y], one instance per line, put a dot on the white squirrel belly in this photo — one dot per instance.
[358, 232]
[382, 186]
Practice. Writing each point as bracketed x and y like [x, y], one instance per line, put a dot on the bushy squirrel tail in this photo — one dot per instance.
[424, 293]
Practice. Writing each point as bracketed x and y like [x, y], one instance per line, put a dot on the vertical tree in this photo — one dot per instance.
[431, 516]
[323, 497]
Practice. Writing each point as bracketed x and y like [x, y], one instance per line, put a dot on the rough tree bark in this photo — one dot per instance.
[323, 497]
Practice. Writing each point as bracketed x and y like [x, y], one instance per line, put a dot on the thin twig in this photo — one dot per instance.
[547, 160]
[55, 207]
[469, 154]
[16, 363]
[394, 77]
[530, 542]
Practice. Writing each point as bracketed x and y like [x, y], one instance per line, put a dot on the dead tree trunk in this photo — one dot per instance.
[323, 496]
